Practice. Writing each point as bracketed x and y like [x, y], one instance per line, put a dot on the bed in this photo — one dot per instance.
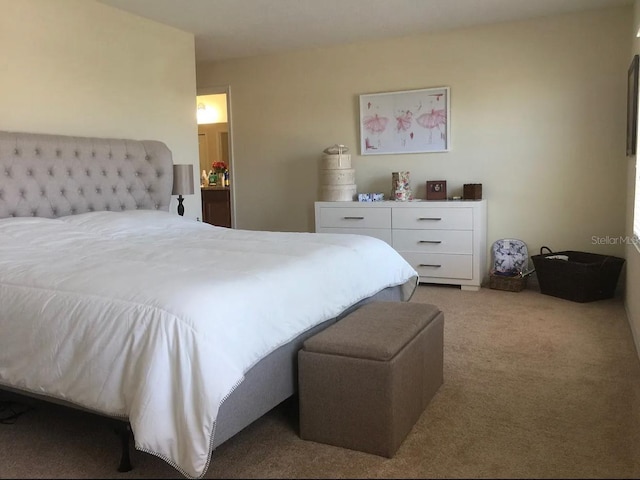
[186, 331]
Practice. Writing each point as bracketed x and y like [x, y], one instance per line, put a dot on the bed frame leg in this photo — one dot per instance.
[124, 432]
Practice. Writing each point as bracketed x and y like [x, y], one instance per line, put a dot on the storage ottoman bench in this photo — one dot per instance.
[364, 381]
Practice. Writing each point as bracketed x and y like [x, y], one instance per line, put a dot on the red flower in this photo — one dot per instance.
[219, 167]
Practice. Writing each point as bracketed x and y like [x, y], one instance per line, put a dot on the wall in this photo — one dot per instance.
[632, 297]
[537, 116]
[78, 67]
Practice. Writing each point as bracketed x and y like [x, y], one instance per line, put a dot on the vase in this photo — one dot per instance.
[219, 179]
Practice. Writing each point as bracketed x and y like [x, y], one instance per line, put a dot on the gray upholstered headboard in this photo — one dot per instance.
[54, 175]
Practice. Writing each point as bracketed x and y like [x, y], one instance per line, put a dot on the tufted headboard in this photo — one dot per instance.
[55, 175]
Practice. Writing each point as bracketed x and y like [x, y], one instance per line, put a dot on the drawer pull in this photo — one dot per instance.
[353, 218]
[430, 241]
[430, 218]
[429, 265]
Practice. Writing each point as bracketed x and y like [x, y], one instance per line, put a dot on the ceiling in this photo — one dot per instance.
[227, 29]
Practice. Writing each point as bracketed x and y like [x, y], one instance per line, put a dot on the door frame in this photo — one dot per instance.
[226, 89]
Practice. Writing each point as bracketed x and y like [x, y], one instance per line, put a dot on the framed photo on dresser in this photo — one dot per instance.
[436, 189]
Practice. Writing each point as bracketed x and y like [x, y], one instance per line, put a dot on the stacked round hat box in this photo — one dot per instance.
[337, 178]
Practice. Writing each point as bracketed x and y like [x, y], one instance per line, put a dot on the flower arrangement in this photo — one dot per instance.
[219, 167]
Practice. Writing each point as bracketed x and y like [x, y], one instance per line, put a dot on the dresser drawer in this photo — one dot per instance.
[441, 265]
[353, 217]
[433, 218]
[433, 241]
[381, 233]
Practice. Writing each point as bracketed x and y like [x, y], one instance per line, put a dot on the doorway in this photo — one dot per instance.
[216, 160]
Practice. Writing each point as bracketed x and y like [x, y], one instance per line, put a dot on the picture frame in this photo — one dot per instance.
[436, 189]
[632, 106]
[409, 121]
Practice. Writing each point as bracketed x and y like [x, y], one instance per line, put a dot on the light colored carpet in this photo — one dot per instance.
[535, 387]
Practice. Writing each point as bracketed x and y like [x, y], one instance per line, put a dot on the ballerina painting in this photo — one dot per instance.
[375, 125]
[403, 125]
[412, 121]
[435, 119]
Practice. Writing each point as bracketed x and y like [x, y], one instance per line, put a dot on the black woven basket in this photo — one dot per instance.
[584, 277]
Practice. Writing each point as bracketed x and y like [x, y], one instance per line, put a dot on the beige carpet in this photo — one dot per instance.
[535, 387]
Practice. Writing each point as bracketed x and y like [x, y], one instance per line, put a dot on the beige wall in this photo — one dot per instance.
[632, 297]
[78, 67]
[537, 116]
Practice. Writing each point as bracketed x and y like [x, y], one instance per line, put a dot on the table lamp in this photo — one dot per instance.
[182, 184]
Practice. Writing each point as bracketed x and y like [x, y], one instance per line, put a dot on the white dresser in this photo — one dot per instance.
[445, 241]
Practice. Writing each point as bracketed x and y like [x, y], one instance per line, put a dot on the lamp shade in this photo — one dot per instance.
[182, 180]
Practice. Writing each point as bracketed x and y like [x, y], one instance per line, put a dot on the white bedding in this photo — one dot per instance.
[155, 317]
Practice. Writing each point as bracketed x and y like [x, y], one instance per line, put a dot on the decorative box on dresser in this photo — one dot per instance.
[445, 241]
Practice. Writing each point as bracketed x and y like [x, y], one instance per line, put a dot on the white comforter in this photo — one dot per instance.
[155, 317]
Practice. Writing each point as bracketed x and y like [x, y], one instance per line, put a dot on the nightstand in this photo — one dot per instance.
[216, 206]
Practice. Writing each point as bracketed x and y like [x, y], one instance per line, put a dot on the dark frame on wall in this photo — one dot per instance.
[632, 106]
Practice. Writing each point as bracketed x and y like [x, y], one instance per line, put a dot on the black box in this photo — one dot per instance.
[584, 277]
[472, 191]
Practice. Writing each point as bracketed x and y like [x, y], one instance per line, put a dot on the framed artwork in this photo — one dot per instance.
[436, 189]
[411, 121]
[632, 106]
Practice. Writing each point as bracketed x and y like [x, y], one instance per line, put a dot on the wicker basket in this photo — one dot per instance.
[580, 277]
[510, 284]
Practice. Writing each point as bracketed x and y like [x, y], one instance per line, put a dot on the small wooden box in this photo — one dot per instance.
[436, 189]
[472, 191]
